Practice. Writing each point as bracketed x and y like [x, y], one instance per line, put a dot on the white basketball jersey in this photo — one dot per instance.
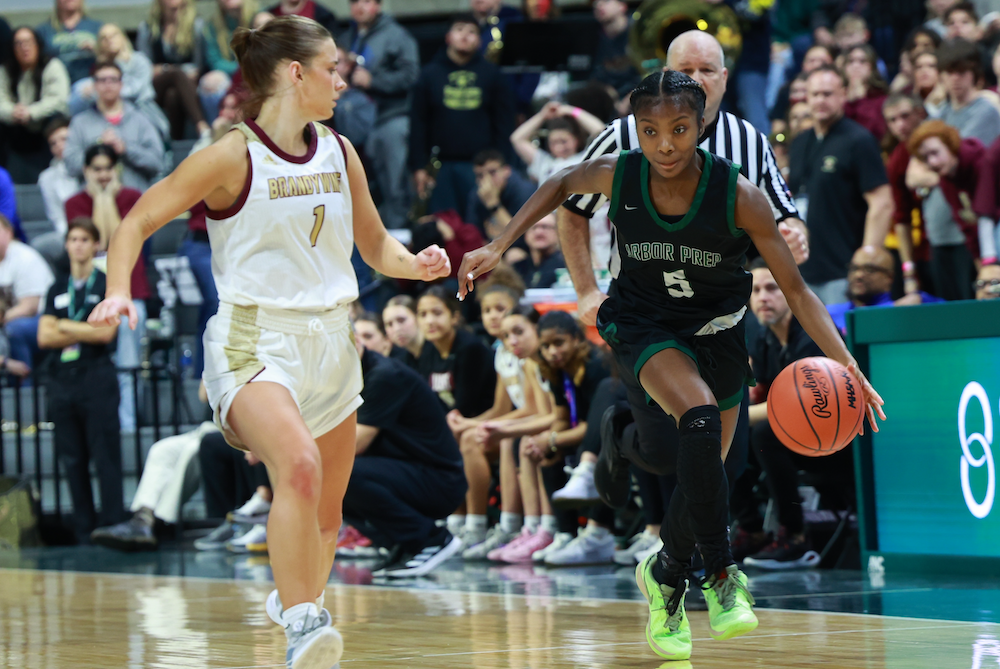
[287, 241]
[510, 369]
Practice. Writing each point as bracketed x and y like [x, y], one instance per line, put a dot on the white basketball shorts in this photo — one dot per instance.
[310, 354]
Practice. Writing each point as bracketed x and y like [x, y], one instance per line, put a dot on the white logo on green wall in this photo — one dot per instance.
[985, 441]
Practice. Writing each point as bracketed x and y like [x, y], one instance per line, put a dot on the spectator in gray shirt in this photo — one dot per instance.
[118, 123]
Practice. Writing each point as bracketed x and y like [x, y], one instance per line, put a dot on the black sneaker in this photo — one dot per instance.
[744, 544]
[132, 535]
[784, 554]
[432, 555]
[611, 475]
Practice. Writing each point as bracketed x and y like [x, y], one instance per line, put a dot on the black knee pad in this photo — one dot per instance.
[700, 472]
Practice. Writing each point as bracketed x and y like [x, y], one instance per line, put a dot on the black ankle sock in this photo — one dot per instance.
[668, 571]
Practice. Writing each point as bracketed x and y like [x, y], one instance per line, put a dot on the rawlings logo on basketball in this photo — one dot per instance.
[817, 385]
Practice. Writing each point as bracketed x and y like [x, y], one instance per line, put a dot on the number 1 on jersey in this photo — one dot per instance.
[677, 284]
[320, 214]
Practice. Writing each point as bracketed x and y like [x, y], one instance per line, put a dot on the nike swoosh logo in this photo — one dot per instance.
[628, 208]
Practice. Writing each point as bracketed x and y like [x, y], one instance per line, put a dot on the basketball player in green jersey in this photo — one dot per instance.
[683, 220]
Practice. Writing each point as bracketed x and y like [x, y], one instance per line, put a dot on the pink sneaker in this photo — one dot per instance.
[496, 555]
[522, 552]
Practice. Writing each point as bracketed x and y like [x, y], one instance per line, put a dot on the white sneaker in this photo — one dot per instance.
[471, 538]
[559, 541]
[641, 556]
[494, 539]
[640, 543]
[313, 643]
[254, 512]
[579, 490]
[593, 545]
[253, 541]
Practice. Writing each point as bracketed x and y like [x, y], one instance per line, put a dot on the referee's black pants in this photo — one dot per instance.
[83, 405]
[652, 443]
[395, 502]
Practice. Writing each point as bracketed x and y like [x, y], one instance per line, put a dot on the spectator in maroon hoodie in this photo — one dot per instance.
[987, 200]
[448, 230]
[903, 113]
[959, 165]
[310, 10]
[866, 91]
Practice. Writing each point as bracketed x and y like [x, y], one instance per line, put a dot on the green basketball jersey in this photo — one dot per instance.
[671, 269]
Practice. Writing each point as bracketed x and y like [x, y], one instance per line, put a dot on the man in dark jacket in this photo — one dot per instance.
[388, 63]
[461, 105]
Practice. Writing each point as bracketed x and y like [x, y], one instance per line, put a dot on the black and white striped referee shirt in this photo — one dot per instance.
[729, 136]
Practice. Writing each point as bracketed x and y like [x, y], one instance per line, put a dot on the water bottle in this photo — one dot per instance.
[187, 364]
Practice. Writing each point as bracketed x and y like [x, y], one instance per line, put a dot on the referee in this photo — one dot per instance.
[698, 55]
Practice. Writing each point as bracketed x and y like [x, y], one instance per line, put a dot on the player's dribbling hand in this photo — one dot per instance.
[587, 306]
[474, 265]
[110, 311]
[873, 400]
[431, 263]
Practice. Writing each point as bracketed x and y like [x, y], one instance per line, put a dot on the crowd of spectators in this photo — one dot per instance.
[886, 129]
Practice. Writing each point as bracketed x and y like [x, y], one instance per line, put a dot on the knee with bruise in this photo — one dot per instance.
[700, 470]
[304, 477]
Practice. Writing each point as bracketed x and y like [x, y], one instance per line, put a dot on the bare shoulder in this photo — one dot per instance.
[223, 167]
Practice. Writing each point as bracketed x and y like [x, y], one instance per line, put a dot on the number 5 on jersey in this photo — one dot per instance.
[677, 284]
[320, 214]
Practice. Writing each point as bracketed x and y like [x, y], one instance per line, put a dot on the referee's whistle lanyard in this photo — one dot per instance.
[71, 310]
[570, 390]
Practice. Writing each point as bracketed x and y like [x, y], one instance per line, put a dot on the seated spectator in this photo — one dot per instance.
[458, 367]
[356, 111]
[795, 90]
[799, 119]
[34, 88]
[25, 279]
[960, 166]
[55, 182]
[310, 10]
[499, 193]
[920, 40]
[851, 30]
[962, 22]
[8, 204]
[236, 488]
[447, 230]
[866, 91]
[538, 269]
[171, 39]
[82, 388]
[137, 78]
[369, 330]
[783, 342]
[170, 476]
[407, 472]
[105, 201]
[118, 124]
[988, 282]
[565, 130]
[869, 280]
[220, 62]
[400, 318]
[72, 37]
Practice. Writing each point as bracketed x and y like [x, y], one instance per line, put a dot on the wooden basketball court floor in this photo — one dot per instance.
[468, 617]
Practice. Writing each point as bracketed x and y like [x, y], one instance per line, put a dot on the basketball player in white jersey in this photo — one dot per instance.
[287, 201]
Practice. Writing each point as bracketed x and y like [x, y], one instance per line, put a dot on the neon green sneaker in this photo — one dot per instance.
[667, 632]
[730, 612]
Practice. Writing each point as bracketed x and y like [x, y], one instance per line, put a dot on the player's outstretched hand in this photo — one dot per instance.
[873, 400]
[474, 265]
[110, 311]
[431, 263]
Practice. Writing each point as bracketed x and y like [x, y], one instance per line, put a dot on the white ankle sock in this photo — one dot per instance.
[532, 523]
[550, 524]
[511, 522]
[456, 523]
[475, 522]
[320, 601]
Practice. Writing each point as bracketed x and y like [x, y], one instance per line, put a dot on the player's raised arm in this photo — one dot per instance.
[216, 174]
[590, 176]
[753, 214]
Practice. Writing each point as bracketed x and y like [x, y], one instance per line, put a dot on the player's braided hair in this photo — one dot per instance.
[672, 86]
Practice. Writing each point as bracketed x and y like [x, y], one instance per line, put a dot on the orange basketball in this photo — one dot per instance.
[815, 406]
